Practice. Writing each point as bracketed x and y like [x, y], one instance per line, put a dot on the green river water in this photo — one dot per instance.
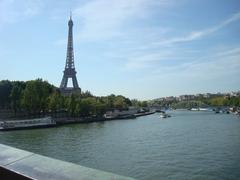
[189, 145]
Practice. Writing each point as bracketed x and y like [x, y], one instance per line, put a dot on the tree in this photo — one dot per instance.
[84, 107]
[101, 108]
[218, 101]
[86, 94]
[55, 101]
[71, 105]
[35, 96]
[135, 102]
[5, 91]
[44, 90]
[120, 103]
[16, 94]
[188, 104]
[144, 104]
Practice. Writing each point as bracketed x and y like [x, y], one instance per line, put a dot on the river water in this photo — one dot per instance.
[189, 145]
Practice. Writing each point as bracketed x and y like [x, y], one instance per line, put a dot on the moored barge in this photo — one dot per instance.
[27, 124]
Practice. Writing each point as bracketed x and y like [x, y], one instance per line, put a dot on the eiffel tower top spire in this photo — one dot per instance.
[70, 22]
[69, 71]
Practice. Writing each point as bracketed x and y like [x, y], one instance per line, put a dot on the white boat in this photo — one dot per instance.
[27, 123]
[204, 109]
[195, 109]
[164, 115]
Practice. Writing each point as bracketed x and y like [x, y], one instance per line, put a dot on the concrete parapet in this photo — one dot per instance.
[20, 164]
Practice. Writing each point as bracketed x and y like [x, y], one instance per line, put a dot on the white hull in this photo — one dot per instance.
[28, 123]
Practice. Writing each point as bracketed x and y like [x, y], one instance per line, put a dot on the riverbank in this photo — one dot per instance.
[74, 120]
[59, 121]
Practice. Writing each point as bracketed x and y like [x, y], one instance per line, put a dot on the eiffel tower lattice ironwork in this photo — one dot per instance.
[69, 71]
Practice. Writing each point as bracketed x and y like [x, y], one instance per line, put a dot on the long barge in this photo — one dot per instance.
[27, 124]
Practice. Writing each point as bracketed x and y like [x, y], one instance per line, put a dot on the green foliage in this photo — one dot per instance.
[55, 101]
[5, 91]
[71, 104]
[235, 101]
[144, 104]
[224, 101]
[35, 96]
[38, 96]
[120, 102]
[138, 103]
[89, 106]
[188, 104]
[218, 101]
[86, 94]
[16, 94]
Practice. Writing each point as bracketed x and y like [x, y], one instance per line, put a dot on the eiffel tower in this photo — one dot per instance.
[69, 71]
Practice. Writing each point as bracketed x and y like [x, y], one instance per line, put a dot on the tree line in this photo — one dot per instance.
[39, 97]
[218, 101]
[223, 101]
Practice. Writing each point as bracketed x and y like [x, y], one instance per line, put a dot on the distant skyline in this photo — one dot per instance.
[141, 49]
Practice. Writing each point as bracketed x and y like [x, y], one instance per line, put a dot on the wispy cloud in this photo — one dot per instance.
[143, 60]
[103, 19]
[14, 10]
[195, 35]
[147, 59]
[219, 64]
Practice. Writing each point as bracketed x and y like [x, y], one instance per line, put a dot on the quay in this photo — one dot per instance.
[47, 122]
[75, 120]
[23, 165]
[144, 113]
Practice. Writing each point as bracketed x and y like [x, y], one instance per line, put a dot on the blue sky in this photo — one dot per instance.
[142, 49]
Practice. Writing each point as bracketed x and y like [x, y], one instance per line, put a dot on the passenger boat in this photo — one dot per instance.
[27, 123]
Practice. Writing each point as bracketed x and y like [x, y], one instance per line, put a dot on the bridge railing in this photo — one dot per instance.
[20, 164]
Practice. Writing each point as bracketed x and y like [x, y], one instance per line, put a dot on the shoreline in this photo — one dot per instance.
[60, 121]
[76, 120]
